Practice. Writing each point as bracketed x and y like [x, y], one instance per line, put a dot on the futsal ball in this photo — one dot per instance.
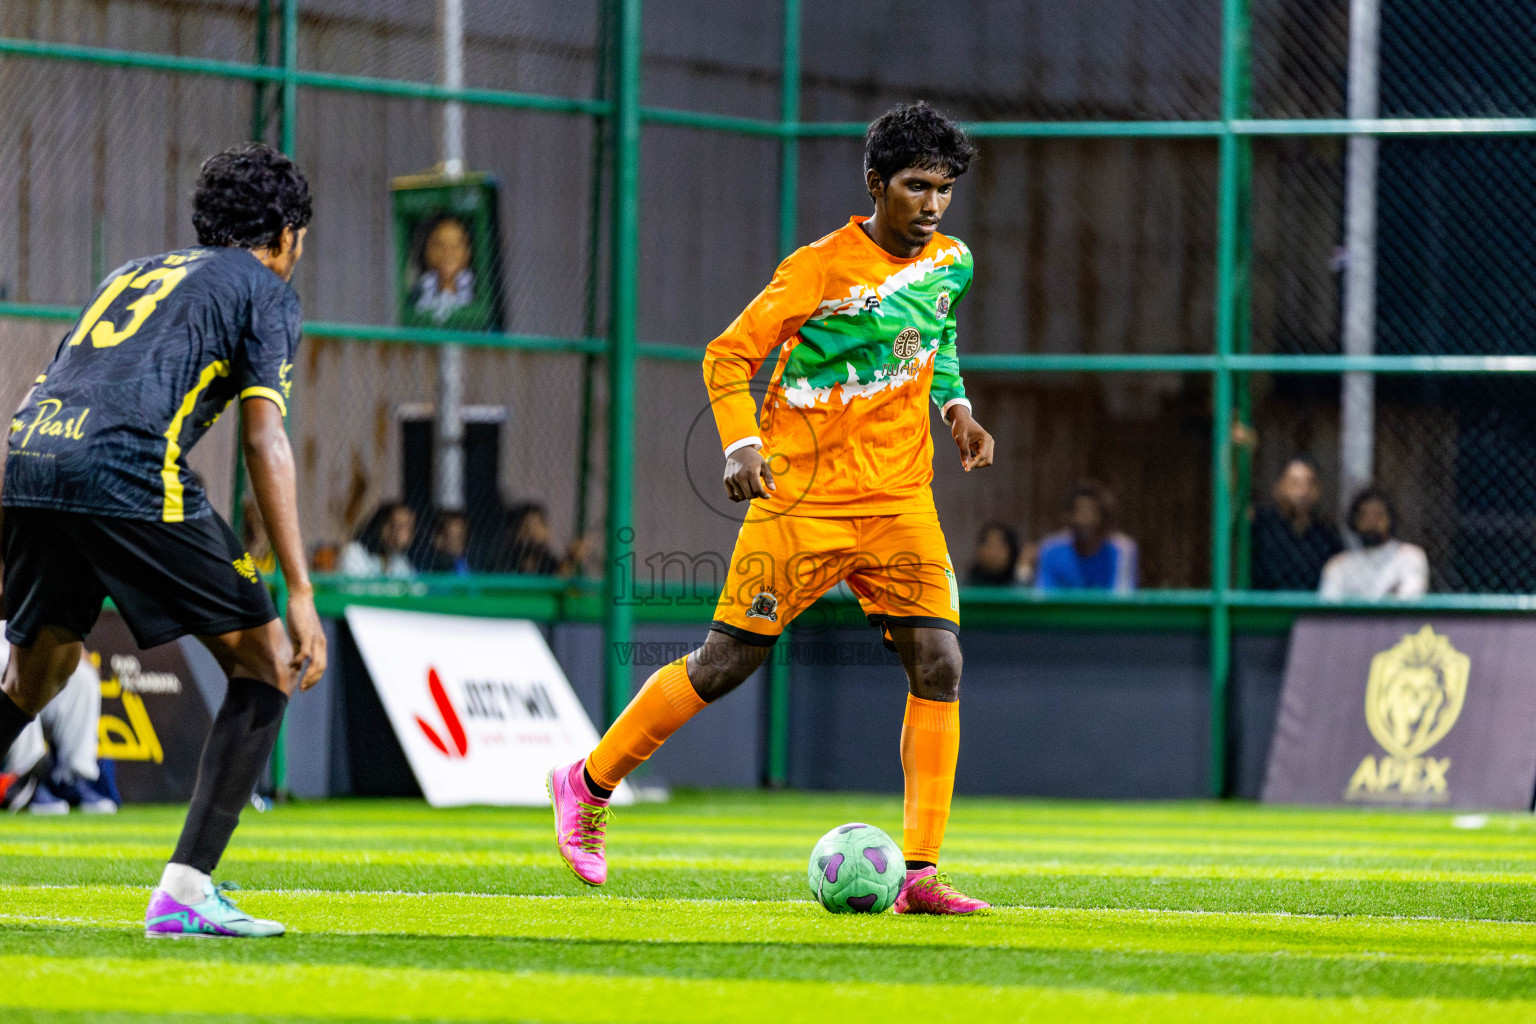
[856, 869]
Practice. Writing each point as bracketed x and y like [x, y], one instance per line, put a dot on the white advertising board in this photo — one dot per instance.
[480, 706]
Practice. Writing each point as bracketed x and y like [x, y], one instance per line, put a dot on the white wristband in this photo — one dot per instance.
[736, 446]
[944, 412]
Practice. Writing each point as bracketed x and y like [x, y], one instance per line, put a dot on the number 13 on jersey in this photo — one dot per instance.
[104, 333]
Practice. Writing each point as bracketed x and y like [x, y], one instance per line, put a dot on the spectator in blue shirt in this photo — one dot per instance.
[450, 542]
[1088, 555]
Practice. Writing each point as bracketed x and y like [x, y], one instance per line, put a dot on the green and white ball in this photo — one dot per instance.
[856, 869]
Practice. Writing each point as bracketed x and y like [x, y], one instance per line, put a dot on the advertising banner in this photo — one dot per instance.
[1404, 711]
[153, 715]
[480, 706]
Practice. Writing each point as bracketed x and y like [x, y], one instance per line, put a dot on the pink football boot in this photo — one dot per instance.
[580, 819]
[928, 892]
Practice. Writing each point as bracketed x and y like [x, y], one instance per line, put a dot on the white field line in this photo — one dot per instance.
[712, 901]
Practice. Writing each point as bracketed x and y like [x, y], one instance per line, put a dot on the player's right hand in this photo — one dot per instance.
[308, 639]
[747, 475]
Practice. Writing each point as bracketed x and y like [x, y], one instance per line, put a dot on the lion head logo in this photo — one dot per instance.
[1416, 692]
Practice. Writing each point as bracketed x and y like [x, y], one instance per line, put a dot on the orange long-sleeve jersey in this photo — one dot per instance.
[867, 339]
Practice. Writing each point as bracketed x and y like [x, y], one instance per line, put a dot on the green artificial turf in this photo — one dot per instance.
[1140, 912]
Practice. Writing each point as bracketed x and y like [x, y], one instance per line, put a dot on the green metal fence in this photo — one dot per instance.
[620, 119]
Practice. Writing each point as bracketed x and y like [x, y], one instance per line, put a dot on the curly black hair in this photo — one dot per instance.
[916, 135]
[247, 195]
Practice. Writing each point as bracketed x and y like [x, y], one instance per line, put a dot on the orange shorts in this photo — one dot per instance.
[897, 565]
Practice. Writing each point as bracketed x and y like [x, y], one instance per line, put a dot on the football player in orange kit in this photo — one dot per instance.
[839, 476]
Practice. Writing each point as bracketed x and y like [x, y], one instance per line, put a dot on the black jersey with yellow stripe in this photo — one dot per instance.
[164, 346]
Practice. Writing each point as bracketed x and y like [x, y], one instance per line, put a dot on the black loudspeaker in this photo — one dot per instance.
[416, 463]
[482, 462]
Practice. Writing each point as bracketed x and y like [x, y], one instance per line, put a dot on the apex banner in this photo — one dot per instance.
[1407, 711]
[480, 706]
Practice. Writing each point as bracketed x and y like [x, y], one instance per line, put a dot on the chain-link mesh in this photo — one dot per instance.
[1453, 454]
[538, 47]
[715, 58]
[1447, 223]
[523, 442]
[1144, 439]
[1454, 270]
[215, 30]
[1100, 246]
[1025, 60]
[104, 161]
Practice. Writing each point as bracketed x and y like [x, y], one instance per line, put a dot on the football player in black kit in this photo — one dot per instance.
[98, 500]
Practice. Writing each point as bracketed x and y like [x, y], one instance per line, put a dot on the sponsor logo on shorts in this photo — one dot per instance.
[245, 565]
[764, 606]
[907, 343]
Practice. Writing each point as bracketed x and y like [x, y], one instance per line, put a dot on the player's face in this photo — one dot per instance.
[913, 202]
[284, 261]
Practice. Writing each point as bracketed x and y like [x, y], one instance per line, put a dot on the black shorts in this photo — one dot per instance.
[167, 579]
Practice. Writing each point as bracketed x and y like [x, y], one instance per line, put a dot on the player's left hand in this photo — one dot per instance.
[971, 438]
[309, 654]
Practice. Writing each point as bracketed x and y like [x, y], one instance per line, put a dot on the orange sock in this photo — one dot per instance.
[664, 703]
[930, 745]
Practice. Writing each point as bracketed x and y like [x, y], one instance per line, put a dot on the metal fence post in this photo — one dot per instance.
[1231, 219]
[780, 664]
[601, 127]
[290, 85]
[789, 117]
[618, 614]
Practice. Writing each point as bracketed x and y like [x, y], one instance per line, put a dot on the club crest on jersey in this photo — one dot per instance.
[872, 304]
[907, 343]
[942, 305]
[764, 606]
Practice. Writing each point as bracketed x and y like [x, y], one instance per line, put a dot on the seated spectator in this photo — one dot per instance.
[450, 545]
[68, 729]
[1382, 566]
[525, 545]
[1290, 542]
[325, 558]
[381, 545]
[1088, 555]
[997, 557]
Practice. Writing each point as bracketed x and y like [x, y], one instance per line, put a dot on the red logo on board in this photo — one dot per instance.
[451, 721]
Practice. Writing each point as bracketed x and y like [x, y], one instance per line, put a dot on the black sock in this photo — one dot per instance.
[233, 758]
[597, 791]
[918, 865]
[12, 721]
